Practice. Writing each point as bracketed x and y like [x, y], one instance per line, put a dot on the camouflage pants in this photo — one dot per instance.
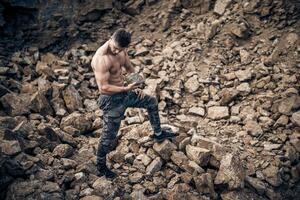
[114, 107]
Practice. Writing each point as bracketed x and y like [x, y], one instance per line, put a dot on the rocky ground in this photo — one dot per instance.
[226, 74]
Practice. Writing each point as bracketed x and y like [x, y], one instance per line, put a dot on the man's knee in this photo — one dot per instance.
[153, 102]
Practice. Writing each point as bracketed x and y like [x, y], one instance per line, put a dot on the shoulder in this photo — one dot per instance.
[125, 53]
[99, 57]
[103, 62]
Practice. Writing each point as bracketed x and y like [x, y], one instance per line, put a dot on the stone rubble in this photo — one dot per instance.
[225, 73]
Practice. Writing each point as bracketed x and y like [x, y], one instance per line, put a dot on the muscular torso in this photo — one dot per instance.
[115, 63]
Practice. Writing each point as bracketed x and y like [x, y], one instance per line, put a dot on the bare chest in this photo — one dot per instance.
[117, 62]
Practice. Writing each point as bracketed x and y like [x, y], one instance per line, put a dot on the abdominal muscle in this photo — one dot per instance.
[116, 79]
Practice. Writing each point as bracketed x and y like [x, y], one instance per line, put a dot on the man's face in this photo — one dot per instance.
[115, 48]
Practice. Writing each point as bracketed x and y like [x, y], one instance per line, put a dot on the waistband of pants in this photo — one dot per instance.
[119, 94]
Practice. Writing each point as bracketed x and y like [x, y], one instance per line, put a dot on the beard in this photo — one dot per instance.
[113, 52]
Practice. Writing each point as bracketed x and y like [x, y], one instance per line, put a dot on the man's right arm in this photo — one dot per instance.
[102, 76]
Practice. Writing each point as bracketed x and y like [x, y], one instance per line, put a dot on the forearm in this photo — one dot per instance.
[112, 89]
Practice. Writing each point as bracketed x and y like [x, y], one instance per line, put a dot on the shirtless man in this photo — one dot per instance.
[115, 97]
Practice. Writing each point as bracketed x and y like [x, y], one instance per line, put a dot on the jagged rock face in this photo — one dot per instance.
[50, 20]
[226, 77]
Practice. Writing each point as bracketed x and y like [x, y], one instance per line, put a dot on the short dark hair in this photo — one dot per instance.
[122, 37]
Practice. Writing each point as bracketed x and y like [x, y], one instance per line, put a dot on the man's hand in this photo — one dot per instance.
[140, 93]
[131, 86]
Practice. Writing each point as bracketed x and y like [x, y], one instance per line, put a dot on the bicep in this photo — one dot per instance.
[128, 65]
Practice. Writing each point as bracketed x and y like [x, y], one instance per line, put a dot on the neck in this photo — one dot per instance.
[108, 49]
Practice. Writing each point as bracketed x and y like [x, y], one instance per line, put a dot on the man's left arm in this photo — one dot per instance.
[128, 66]
[130, 69]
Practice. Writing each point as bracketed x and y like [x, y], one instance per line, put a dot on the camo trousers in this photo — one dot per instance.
[114, 107]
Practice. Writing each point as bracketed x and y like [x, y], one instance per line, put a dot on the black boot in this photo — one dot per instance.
[105, 171]
[165, 134]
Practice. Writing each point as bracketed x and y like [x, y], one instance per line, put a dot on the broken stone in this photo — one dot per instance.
[218, 112]
[199, 155]
[212, 30]
[229, 76]
[90, 105]
[63, 151]
[180, 191]
[138, 192]
[204, 184]
[186, 177]
[296, 118]
[194, 168]
[221, 6]
[50, 187]
[245, 57]
[241, 195]
[231, 172]
[288, 104]
[286, 42]
[62, 72]
[15, 104]
[192, 84]
[180, 159]
[44, 86]
[259, 185]
[91, 197]
[144, 159]
[173, 181]
[184, 142]
[44, 175]
[227, 96]
[154, 166]
[129, 158]
[244, 89]
[243, 75]
[281, 121]
[119, 154]
[40, 104]
[10, 147]
[134, 8]
[269, 146]
[4, 70]
[164, 149]
[162, 105]
[157, 60]
[253, 128]
[216, 149]
[43, 68]
[139, 165]
[81, 122]
[198, 7]
[187, 119]
[136, 177]
[296, 143]
[133, 120]
[197, 111]
[80, 176]
[104, 187]
[272, 176]
[240, 30]
[141, 51]
[72, 98]
[152, 88]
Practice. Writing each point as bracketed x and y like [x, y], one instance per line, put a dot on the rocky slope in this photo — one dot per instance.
[226, 74]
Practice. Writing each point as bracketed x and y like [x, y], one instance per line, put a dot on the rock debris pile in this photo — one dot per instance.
[226, 74]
